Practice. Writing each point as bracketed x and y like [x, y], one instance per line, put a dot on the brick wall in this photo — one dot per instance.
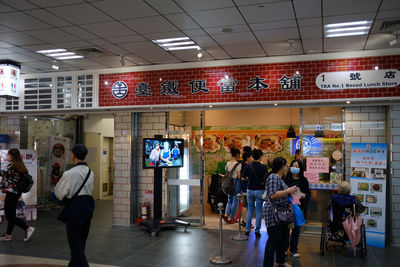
[364, 125]
[150, 124]
[243, 73]
[122, 168]
[395, 182]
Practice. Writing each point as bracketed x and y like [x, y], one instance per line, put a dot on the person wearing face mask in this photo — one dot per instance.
[295, 177]
[279, 193]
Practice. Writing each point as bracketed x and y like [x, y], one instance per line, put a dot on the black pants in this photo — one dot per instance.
[78, 224]
[277, 236]
[10, 210]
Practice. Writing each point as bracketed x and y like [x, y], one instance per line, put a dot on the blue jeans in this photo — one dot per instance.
[254, 197]
[231, 205]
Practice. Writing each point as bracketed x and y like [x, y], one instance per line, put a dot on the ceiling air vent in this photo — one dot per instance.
[92, 52]
[393, 24]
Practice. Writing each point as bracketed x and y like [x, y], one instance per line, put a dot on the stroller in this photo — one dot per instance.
[215, 193]
[333, 230]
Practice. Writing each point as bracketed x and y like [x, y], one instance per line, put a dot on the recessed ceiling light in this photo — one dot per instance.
[226, 30]
[275, 104]
[376, 68]
[179, 43]
[347, 24]
[61, 54]
[49, 51]
[69, 57]
[200, 54]
[210, 106]
[55, 67]
[347, 28]
[168, 40]
[182, 47]
[346, 34]
[106, 82]
[348, 102]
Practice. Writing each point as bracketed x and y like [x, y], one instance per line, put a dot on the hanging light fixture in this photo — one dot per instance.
[319, 132]
[291, 132]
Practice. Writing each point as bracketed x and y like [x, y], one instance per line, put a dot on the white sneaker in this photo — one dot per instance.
[5, 238]
[29, 233]
[295, 255]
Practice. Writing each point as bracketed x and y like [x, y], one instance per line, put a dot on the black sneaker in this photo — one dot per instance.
[258, 235]
[247, 233]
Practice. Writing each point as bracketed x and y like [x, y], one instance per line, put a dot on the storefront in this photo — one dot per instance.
[330, 103]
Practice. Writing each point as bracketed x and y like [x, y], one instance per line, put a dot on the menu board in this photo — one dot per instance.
[368, 184]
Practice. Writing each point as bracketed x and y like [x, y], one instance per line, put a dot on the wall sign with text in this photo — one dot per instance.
[358, 79]
[9, 80]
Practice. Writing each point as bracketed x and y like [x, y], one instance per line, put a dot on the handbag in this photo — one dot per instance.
[63, 215]
[282, 215]
[298, 216]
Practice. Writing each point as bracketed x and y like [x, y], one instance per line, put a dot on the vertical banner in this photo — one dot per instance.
[27, 204]
[58, 157]
[368, 183]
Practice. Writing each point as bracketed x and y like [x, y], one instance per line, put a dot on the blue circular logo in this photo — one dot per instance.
[119, 89]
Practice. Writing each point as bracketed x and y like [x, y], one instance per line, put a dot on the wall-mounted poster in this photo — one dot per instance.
[368, 183]
[27, 204]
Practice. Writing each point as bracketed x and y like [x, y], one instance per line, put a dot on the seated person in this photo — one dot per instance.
[342, 203]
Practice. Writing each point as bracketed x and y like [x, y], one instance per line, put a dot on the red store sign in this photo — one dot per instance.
[292, 81]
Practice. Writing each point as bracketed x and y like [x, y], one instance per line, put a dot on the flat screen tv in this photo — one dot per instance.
[162, 152]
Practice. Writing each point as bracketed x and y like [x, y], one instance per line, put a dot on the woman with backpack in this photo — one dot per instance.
[232, 169]
[9, 185]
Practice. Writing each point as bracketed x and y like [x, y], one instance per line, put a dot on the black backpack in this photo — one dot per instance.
[25, 183]
[227, 181]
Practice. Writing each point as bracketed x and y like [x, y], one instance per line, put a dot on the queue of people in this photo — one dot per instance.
[268, 192]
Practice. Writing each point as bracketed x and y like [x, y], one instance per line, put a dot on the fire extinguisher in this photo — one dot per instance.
[144, 211]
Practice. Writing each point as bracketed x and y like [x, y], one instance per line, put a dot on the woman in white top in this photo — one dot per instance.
[231, 206]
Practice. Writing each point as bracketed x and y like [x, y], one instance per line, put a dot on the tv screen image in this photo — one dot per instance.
[164, 153]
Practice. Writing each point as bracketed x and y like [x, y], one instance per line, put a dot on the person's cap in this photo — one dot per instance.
[80, 151]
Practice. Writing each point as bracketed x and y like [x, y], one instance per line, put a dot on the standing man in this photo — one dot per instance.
[76, 185]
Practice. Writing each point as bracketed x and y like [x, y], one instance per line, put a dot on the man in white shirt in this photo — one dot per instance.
[231, 205]
[80, 204]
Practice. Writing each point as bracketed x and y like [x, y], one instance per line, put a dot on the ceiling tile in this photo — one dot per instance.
[311, 32]
[253, 2]
[138, 47]
[307, 8]
[5, 51]
[137, 60]
[281, 48]
[380, 41]
[114, 49]
[268, 12]
[218, 17]
[52, 3]
[52, 35]
[150, 25]
[194, 32]
[21, 22]
[79, 14]
[17, 49]
[39, 65]
[390, 4]
[84, 63]
[20, 4]
[238, 51]
[36, 56]
[376, 28]
[278, 35]
[49, 18]
[239, 38]
[349, 18]
[343, 7]
[163, 35]
[73, 45]
[388, 14]
[4, 29]
[349, 43]
[39, 47]
[5, 9]
[160, 57]
[165, 6]
[182, 21]
[234, 28]
[273, 25]
[204, 41]
[125, 39]
[195, 5]
[218, 53]
[312, 45]
[18, 38]
[108, 29]
[112, 61]
[19, 58]
[126, 9]
[79, 32]
[5, 45]
[99, 41]
[310, 22]
[191, 55]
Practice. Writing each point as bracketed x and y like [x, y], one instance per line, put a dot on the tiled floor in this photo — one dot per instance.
[129, 246]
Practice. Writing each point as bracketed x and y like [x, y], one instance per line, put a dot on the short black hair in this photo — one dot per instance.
[256, 154]
[235, 152]
[278, 163]
[245, 156]
[80, 151]
[247, 149]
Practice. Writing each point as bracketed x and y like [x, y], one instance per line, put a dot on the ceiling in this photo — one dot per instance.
[126, 27]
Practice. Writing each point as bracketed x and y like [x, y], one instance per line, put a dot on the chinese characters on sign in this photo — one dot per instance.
[227, 85]
[358, 79]
[290, 83]
[170, 88]
[143, 89]
[198, 86]
[318, 165]
[257, 84]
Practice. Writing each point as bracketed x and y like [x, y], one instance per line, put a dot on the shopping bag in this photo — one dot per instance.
[298, 216]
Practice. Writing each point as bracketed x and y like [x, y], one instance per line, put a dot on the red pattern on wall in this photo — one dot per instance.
[243, 73]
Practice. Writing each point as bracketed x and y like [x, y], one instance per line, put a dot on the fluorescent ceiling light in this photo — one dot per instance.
[183, 47]
[61, 54]
[69, 57]
[348, 29]
[346, 24]
[171, 40]
[178, 43]
[51, 51]
[345, 34]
